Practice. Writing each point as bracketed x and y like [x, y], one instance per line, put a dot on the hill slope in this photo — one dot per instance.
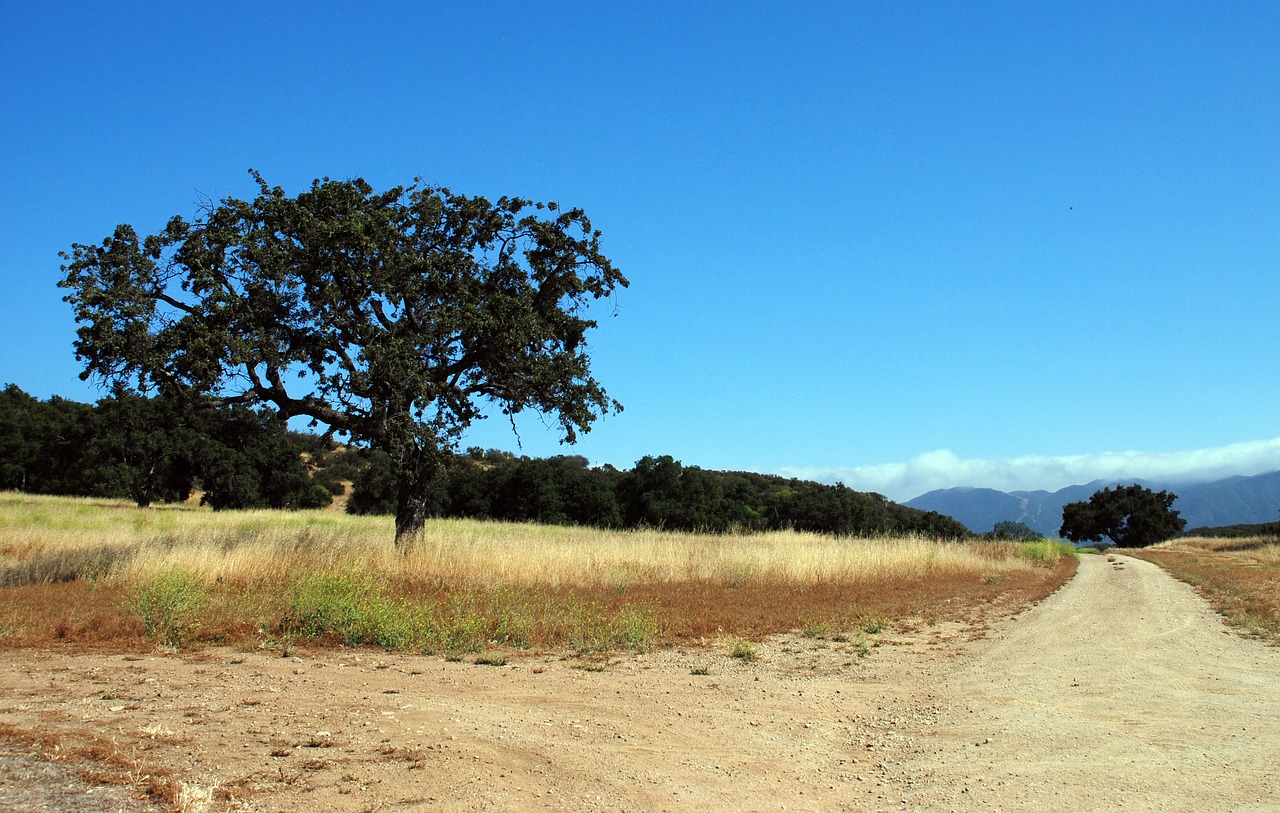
[1232, 501]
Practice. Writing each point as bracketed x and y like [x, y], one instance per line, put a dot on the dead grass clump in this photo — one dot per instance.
[1219, 544]
[45, 566]
[79, 612]
[99, 761]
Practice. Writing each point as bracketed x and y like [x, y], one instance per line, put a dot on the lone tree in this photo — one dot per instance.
[1130, 516]
[1010, 529]
[390, 317]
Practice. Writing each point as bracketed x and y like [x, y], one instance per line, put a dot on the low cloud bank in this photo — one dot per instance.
[943, 469]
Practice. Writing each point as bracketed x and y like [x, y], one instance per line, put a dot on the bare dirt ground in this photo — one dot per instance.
[1120, 692]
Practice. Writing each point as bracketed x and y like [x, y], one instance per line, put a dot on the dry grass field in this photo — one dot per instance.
[96, 573]
[1240, 578]
[634, 671]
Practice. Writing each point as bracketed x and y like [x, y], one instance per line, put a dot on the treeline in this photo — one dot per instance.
[153, 450]
[164, 450]
[1235, 531]
[659, 492]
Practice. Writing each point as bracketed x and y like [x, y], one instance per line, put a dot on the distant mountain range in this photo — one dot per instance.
[1232, 501]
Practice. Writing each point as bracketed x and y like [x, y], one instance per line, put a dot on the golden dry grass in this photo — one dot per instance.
[1239, 577]
[70, 566]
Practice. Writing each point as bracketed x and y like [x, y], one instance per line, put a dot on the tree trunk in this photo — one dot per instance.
[411, 519]
[418, 474]
[143, 487]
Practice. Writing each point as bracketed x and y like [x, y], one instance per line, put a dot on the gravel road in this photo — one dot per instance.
[1122, 691]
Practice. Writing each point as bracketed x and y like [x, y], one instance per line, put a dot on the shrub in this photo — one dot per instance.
[350, 604]
[170, 604]
[872, 623]
[820, 628]
[474, 621]
[591, 629]
[634, 629]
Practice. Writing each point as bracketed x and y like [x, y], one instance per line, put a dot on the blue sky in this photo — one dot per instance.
[902, 244]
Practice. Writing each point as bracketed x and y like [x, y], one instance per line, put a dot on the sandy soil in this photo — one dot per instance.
[1120, 692]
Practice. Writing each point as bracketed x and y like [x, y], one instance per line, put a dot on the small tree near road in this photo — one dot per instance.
[391, 317]
[1130, 516]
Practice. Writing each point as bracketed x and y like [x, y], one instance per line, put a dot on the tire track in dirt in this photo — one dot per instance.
[1122, 691]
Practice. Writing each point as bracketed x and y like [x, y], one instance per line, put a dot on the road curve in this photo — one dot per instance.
[1122, 691]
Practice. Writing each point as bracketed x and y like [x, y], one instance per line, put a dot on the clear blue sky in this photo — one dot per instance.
[857, 234]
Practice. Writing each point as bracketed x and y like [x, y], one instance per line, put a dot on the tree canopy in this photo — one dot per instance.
[391, 317]
[156, 450]
[1130, 516]
[659, 492]
[1011, 529]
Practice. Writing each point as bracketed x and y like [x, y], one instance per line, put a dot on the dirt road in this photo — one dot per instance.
[1120, 692]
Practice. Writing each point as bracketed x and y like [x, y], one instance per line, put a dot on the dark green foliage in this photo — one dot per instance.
[660, 492]
[127, 446]
[1131, 516]
[497, 485]
[249, 460]
[588, 494]
[836, 509]
[556, 491]
[1235, 531]
[41, 443]
[332, 466]
[374, 489]
[154, 450]
[391, 317]
[931, 523]
[142, 448]
[1009, 529]
[472, 483]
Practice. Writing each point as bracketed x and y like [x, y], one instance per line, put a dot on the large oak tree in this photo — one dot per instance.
[390, 317]
[1130, 516]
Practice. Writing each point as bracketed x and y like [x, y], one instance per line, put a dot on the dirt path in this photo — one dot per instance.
[1120, 692]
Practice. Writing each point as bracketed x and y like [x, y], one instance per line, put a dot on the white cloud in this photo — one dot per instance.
[943, 469]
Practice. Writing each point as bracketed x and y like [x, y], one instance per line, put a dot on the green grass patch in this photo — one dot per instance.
[591, 628]
[872, 623]
[1046, 551]
[350, 604]
[170, 605]
[473, 621]
[823, 629]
